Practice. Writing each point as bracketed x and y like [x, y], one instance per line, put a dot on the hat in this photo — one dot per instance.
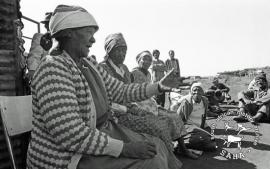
[47, 17]
[196, 84]
[65, 17]
[143, 54]
[113, 41]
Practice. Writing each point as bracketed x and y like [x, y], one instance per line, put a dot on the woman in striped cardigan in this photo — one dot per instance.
[72, 122]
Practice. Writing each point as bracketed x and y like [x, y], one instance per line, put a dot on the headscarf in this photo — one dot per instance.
[155, 51]
[196, 84]
[143, 54]
[113, 41]
[65, 17]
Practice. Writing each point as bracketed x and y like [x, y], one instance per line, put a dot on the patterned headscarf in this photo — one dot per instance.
[143, 54]
[112, 41]
[65, 17]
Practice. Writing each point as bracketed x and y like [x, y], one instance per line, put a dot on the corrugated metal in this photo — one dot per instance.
[9, 74]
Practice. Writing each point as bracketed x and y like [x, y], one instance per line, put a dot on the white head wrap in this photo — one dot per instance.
[65, 17]
[196, 84]
[143, 54]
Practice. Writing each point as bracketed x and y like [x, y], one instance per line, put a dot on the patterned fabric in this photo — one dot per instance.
[158, 69]
[112, 41]
[64, 117]
[170, 64]
[149, 105]
[161, 126]
[109, 68]
[143, 121]
[65, 17]
[143, 54]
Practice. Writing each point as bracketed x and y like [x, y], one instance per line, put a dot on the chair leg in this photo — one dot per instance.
[10, 150]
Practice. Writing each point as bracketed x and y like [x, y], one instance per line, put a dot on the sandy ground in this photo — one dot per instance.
[255, 156]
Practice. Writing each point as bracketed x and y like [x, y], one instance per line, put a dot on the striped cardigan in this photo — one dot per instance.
[64, 114]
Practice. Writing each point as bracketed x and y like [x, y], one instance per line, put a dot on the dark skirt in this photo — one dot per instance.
[199, 139]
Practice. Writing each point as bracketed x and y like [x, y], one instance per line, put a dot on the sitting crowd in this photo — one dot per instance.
[100, 115]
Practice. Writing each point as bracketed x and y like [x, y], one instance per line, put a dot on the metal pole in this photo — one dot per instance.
[8, 141]
[31, 20]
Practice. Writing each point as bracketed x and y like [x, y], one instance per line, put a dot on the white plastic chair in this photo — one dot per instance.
[16, 115]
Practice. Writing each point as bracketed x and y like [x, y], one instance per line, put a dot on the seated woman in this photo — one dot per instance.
[72, 120]
[192, 108]
[166, 128]
[216, 94]
[255, 101]
[141, 74]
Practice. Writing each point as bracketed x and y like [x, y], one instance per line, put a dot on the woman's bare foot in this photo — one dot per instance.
[191, 155]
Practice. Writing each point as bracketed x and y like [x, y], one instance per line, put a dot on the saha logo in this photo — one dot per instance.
[235, 133]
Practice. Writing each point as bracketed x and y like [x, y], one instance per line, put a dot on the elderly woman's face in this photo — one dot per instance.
[83, 39]
[197, 93]
[118, 54]
[145, 62]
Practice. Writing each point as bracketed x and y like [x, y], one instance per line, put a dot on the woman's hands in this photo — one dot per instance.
[169, 81]
[140, 150]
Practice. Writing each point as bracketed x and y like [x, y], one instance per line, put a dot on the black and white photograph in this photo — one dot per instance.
[145, 84]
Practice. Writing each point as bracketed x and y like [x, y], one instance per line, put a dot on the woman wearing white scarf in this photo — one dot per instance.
[193, 110]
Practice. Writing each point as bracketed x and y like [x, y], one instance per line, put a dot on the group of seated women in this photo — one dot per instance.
[90, 115]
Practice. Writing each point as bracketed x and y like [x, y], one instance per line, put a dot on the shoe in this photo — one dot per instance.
[211, 114]
[240, 118]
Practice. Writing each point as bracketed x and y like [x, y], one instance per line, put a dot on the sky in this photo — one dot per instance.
[208, 36]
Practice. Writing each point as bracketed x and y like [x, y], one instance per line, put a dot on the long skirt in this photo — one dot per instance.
[199, 139]
[166, 126]
[164, 159]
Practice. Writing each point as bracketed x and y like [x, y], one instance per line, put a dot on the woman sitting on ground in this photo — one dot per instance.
[167, 128]
[192, 108]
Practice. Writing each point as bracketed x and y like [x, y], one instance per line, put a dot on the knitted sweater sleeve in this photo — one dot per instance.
[124, 93]
[59, 109]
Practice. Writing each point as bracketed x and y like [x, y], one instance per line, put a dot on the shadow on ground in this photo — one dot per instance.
[256, 156]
